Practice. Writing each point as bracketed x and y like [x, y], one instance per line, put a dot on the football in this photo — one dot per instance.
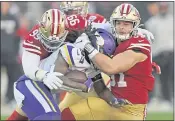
[75, 79]
[76, 76]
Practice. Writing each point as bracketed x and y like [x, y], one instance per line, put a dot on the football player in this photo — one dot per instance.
[130, 69]
[45, 38]
[81, 8]
[78, 19]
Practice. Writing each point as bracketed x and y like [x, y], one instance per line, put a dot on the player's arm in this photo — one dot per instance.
[136, 52]
[33, 53]
[65, 59]
[119, 63]
[30, 63]
[104, 92]
[31, 69]
[101, 89]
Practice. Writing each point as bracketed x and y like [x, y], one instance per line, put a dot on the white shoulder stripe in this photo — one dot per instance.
[32, 50]
[133, 46]
[28, 44]
[140, 44]
[104, 21]
[38, 96]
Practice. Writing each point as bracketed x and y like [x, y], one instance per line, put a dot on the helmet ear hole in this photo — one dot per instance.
[42, 24]
[49, 18]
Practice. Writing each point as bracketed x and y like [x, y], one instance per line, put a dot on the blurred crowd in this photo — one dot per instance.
[17, 18]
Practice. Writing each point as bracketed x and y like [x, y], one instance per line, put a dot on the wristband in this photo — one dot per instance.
[40, 74]
[91, 51]
[97, 77]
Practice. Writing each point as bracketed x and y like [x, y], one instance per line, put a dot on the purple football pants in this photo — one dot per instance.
[37, 99]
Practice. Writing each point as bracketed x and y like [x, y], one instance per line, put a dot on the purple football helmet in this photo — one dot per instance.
[109, 42]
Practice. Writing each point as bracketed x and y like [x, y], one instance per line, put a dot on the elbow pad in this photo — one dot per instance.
[40, 74]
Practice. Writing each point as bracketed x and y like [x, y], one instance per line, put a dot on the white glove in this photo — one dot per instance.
[81, 41]
[147, 34]
[84, 43]
[52, 81]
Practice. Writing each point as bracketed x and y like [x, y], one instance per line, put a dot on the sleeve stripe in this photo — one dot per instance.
[68, 55]
[33, 50]
[139, 47]
[140, 44]
[104, 21]
[86, 22]
[28, 44]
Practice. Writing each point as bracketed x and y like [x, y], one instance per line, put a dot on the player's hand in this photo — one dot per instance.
[117, 102]
[156, 68]
[82, 41]
[52, 80]
[148, 35]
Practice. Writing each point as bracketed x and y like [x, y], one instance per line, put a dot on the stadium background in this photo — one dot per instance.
[161, 103]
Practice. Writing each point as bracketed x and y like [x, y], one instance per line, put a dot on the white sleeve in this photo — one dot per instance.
[48, 63]
[30, 63]
[74, 57]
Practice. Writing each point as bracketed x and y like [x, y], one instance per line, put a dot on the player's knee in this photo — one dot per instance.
[48, 116]
[66, 114]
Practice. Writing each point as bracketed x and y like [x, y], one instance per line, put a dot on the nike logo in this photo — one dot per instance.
[79, 41]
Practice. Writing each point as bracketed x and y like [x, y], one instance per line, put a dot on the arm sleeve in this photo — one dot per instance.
[30, 63]
[74, 57]
[101, 89]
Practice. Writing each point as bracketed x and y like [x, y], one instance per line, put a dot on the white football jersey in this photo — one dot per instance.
[74, 57]
[71, 54]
